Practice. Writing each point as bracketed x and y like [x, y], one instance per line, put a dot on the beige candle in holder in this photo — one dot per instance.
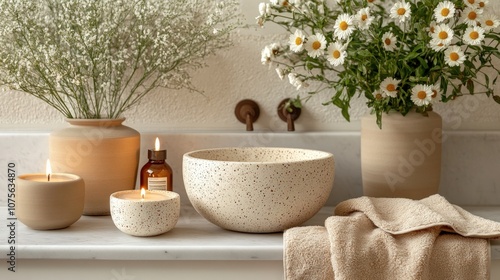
[49, 201]
[144, 213]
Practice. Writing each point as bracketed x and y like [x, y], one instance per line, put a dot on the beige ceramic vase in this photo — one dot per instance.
[103, 152]
[403, 159]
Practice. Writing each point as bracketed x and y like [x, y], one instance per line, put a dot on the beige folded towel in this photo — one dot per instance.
[310, 248]
[393, 238]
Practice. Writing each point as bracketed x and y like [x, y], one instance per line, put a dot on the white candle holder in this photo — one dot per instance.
[155, 214]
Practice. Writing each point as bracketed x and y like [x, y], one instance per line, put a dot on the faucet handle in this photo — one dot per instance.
[288, 113]
[247, 111]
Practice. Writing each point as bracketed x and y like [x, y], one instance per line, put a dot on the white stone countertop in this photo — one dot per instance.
[193, 238]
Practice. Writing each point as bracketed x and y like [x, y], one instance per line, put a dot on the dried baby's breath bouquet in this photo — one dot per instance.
[97, 58]
[402, 55]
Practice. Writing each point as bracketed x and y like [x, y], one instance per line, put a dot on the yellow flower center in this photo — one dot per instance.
[474, 35]
[336, 54]
[378, 96]
[445, 12]
[489, 22]
[443, 35]
[387, 41]
[481, 4]
[298, 41]
[471, 1]
[472, 15]
[401, 11]
[432, 29]
[421, 94]
[454, 56]
[364, 17]
[391, 87]
[434, 93]
[343, 25]
[316, 45]
[370, 1]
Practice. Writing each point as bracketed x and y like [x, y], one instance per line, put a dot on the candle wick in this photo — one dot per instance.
[48, 177]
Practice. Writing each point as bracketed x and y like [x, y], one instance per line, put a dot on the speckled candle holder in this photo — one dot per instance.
[156, 214]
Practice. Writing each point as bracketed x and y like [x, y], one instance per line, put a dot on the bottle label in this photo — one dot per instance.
[157, 183]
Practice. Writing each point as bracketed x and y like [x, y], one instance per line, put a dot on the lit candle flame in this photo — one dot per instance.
[143, 193]
[157, 144]
[48, 170]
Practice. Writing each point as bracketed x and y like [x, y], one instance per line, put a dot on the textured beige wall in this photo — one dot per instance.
[233, 75]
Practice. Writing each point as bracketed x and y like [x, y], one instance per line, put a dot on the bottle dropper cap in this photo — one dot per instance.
[157, 155]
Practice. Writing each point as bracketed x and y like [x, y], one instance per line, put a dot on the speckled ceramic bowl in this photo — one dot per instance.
[156, 213]
[258, 189]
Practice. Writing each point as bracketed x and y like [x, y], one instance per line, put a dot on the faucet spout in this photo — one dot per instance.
[289, 123]
[288, 113]
[247, 111]
[249, 122]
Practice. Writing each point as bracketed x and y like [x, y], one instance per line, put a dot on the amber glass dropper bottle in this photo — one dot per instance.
[156, 174]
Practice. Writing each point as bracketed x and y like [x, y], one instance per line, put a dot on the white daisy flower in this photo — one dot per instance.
[437, 45]
[266, 55]
[443, 34]
[473, 35]
[297, 41]
[389, 41]
[454, 56]
[444, 10]
[336, 54]
[264, 10]
[274, 2]
[363, 18]
[315, 45]
[389, 86]
[296, 82]
[401, 11]
[432, 27]
[343, 26]
[489, 21]
[378, 94]
[269, 53]
[479, 4]
[471, 16]
[421, 95]
[436, 92]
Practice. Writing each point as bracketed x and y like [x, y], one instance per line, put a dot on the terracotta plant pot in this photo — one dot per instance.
[103, 152]
[403, 159]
